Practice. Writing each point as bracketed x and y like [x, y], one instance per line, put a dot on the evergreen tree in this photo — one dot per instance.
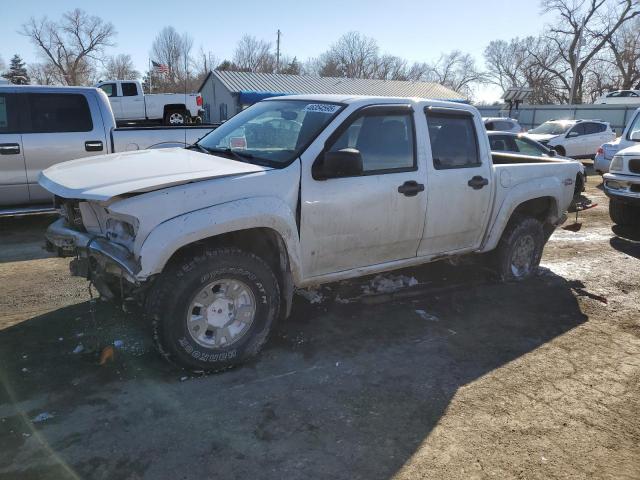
[17, 73]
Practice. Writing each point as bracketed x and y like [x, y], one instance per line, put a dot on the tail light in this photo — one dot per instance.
[199, 100]
[600, 151]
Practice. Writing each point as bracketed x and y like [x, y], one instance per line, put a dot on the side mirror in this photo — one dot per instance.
[572, 134]
[342, 163]
[635, 136]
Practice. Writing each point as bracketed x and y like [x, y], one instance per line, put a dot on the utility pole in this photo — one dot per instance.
[278, 52]
[577, 61]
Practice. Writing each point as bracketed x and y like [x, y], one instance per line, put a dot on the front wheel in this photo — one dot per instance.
[623, 214]
[520, 249]
[214, 311]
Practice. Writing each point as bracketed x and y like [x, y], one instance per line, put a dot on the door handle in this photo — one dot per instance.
[478, 182]
[410, 188]
[95, 146]
[9, 148]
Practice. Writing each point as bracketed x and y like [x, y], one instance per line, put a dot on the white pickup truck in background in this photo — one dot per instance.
[293, 192]
[130, 104]
[64, 123]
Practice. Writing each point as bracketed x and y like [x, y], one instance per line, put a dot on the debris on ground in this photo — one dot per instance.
[79, 348]
[312, 295]
[427, 316]
[106, 355]
[42, 417]
[118, 343]
[388, 283]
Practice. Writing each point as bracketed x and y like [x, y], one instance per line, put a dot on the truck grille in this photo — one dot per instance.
[634, 165]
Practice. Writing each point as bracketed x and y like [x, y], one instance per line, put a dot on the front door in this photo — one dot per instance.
[13, 175]
[575, 141]
[60, 127]
[460, 183]
[111, 89]
[378, 217]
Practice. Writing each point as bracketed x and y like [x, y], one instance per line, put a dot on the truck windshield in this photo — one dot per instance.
[551, 128]
[273, 132]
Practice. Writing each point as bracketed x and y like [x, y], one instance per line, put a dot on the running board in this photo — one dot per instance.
[29, 210]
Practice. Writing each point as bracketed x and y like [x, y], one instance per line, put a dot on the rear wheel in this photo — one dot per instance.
[175, 118]
[520, 249]
[215, 311]
[624, 214]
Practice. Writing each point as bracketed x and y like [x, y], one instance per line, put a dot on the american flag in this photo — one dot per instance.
[159, 67]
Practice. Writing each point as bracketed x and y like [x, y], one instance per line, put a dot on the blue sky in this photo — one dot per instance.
[414, 29]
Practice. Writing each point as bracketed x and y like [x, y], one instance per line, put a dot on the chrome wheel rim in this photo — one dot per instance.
[176, 119]
[522, 256]
[221, 313]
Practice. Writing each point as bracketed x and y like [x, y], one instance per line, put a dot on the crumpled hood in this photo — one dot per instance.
[106, 176]
[538, 137]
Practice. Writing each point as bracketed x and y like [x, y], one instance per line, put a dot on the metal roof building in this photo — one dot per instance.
[225, 93]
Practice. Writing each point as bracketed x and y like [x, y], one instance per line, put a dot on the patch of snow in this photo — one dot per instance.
[312, 295]
[79, 348]
[427, 316]
[388, 283]
[42, 417]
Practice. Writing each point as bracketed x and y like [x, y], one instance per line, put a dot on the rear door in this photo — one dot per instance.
[13, 175]
[460, 176]
[132, 101]
[378, 217]
[60, 127]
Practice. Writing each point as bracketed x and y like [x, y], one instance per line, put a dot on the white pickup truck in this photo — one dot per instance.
[42, 126]
[293, 192]
[130, 104]
[622, 186]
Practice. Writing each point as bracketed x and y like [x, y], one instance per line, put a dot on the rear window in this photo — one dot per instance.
[594, 128]
[8, 113]
[453, 140]
[129, 89]
[59, 112]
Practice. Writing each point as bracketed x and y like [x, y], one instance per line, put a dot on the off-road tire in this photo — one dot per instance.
[173, 292]
[624, 214]
[518, 227]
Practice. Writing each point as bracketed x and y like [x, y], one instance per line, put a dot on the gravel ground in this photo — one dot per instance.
[435, 372]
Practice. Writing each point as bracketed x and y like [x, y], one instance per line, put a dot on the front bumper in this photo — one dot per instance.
[624, 188]
[94, 254]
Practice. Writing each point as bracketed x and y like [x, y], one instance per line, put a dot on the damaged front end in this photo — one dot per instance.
[110, 266]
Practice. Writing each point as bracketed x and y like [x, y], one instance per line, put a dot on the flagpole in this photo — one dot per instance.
[150, 74]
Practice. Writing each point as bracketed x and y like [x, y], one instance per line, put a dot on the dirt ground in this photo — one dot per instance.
[452, 376]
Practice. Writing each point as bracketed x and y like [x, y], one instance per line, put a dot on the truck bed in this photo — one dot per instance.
[140, 138]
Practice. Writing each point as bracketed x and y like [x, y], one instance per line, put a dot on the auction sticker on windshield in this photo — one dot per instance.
[322, 107]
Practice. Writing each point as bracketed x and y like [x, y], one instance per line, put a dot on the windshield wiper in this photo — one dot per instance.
[199, 147]
[240, 156]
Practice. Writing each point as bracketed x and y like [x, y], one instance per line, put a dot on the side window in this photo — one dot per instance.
[577, 129]
[8, 113]
[590, 128]
[385, 141]
[453, 140]
[110, 89]
[59, 112]
[527, 148]
[129, 89]
[502, 143]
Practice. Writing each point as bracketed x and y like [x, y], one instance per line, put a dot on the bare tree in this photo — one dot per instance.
[354, 55]
[72, 45]
[173, 50]
[120, 67]
[43, 73]
[391, 67]
[456, 70]
[253, 55]
[2, 65]
[625, 54]
[582, 29]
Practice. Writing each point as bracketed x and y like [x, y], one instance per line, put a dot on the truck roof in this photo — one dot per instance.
[44, 88]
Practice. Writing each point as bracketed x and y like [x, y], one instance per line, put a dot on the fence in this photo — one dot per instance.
[530, 116]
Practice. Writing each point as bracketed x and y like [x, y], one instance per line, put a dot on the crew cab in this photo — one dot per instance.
[622, 186]
[42, 126]
[630, 137]
[573, 138]
[130, 104]
[293, 192]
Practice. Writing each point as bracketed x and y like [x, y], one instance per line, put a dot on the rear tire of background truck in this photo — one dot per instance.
[214, 311]
[624, 214]
[175, 118]
[520, 249]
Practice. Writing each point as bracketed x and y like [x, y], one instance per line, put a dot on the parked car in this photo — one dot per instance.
[630, 137]
[213, 240]
[130, 104]
[617, 97]
[622, 186]
[518, 143]
[42, 126]
[500, 124]
[573, 138]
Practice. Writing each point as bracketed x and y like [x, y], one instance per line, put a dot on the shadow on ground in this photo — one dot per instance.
[341, 390]
[627, 240]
